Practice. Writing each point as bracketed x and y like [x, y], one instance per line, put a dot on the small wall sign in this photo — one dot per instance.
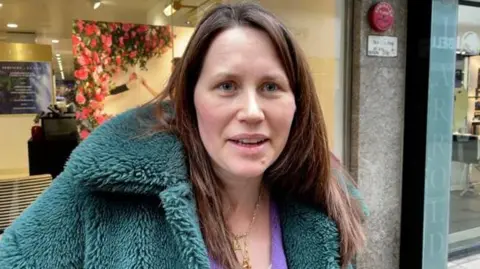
[382, 46]
[381, 16]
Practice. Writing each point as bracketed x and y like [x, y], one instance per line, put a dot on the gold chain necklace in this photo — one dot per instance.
[236, 238]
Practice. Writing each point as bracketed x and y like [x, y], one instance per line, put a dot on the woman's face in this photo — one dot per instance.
[244, 104]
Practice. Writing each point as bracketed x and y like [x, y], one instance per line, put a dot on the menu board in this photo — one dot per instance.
[25, 87]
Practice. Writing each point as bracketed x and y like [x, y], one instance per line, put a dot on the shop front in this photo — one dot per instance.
[441, 175]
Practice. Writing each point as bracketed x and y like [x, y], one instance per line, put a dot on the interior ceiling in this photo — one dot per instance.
[40, 21]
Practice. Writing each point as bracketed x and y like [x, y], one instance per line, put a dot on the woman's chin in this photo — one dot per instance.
[248, 172]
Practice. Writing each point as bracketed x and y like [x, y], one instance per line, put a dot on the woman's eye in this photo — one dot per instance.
[270, 87]
[227, 86]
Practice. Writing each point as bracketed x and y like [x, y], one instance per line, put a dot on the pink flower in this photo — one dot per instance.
[80, 98]
[107, 61]
[126, 27]
[78, 116]
[85, 112]
[96, 58]
[107, 50]
[80, 25]
[107, 40]
[100, 119]
[83, 60]
[94, 105]
[87, 52]
[133, 54]
[81, 74]
[93, 43]
[112, 27]
[120, 40]
[95, 75]
[84, 134]
[133, 34]
[75, 40]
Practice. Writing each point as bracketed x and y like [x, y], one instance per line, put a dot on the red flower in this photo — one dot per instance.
[91, 29]
[80, 98]
[85, 112]
[161, 43]
[142, 28]
[83, 60]
[133, 54]
[120, 40]
[84, 134]
[81, 74]
[133, 34]
[118, 60]
[126, 27]
[93, 43]
[99, 97]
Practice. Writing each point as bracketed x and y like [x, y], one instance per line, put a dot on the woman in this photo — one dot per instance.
[237, 173]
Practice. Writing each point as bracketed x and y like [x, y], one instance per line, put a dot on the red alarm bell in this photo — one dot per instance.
[381, 16]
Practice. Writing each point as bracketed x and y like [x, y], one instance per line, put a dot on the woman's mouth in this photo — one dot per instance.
[249, 142]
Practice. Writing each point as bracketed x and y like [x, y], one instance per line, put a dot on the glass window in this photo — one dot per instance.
[464, 231]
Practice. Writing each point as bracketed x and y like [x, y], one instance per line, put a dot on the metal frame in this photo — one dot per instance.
[347, 83]
[469, 3]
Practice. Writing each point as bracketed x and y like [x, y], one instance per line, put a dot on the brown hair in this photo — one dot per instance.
[302, 171]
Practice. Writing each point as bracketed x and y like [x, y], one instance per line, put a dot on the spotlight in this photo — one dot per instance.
[96, 4]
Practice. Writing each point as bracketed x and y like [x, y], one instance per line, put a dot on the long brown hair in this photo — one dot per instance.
[302, 171]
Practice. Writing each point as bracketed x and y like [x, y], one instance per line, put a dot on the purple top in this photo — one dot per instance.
[279, 260]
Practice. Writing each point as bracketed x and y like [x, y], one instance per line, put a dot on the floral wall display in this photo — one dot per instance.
[102, 50]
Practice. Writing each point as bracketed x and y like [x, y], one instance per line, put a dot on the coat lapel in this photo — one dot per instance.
[181, 215]
[310, 238]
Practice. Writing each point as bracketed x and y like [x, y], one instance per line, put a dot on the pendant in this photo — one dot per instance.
[236, 244]
[246, 264]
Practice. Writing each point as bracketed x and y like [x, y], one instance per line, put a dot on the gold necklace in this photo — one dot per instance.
[236, 238]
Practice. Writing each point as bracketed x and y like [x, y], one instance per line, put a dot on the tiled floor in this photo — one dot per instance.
[472, 262]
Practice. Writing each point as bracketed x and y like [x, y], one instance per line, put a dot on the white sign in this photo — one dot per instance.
[382, 46]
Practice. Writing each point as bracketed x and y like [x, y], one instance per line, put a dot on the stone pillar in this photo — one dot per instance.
[376, 135]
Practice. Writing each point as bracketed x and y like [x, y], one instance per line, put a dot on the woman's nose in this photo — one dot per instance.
[251, 110]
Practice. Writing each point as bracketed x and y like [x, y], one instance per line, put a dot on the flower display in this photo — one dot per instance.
[102, 49]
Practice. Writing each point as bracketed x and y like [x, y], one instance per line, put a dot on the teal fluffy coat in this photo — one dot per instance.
[124, 201]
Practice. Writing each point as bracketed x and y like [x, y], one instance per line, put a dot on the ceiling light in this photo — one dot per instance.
[96, 4]
[55, 41]
[12, 25]
[169, 10]
[1, 5]
[58, 55]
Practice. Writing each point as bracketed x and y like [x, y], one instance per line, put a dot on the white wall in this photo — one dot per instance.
[319, 28]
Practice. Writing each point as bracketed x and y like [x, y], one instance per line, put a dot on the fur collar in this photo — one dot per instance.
[123, 155]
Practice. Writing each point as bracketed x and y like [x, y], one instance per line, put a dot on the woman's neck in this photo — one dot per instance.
[241, 198]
